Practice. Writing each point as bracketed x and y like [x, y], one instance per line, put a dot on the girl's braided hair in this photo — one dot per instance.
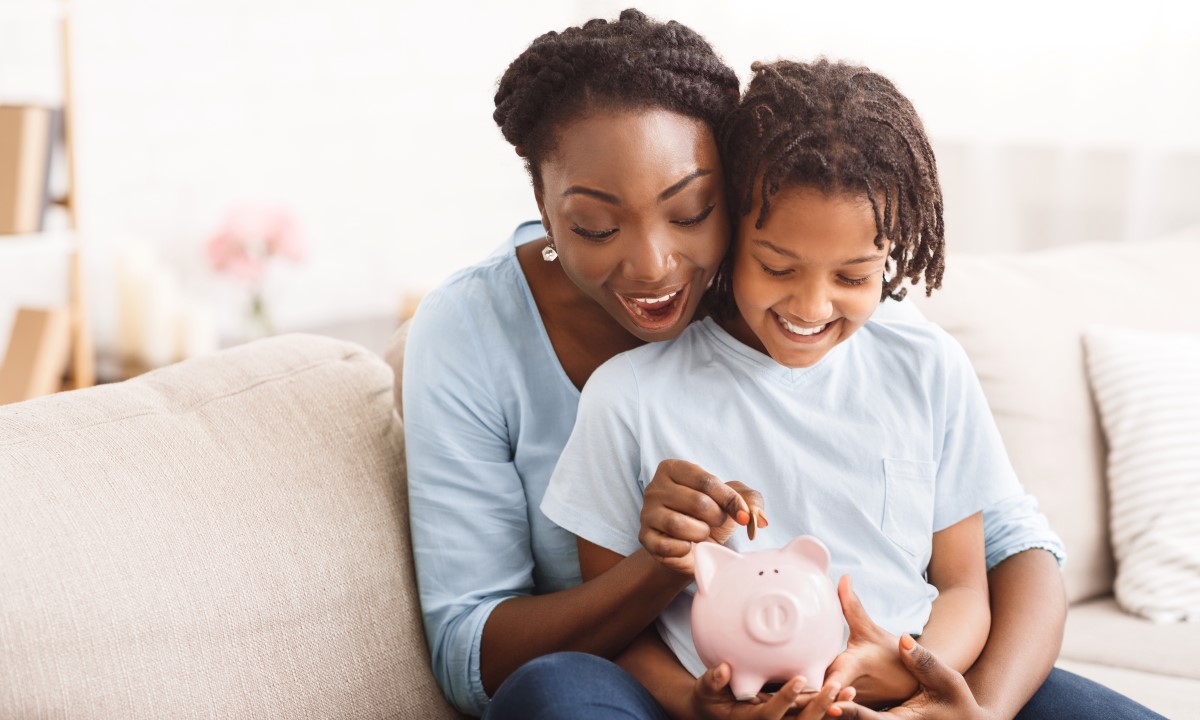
[839, 127]
[632, 63]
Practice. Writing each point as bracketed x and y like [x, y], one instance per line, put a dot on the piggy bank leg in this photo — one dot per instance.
[744, 686]
[814, 677]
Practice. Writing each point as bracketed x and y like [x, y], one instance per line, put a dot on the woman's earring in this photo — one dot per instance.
[549, 253]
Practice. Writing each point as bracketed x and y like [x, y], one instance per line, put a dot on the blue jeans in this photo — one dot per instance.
[572, 685]
[575, 685]
[1067, 696]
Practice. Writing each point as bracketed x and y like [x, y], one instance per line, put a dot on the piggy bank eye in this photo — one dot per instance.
[760, 572]
[776, 572]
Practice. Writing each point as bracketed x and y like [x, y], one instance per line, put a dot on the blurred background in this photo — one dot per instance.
[355, 141]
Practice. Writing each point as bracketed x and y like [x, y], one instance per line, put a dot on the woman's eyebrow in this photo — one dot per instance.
[614, 200]
[591, 192]
[674, 189]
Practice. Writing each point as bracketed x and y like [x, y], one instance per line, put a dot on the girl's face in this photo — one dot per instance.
[809, 278]
[635, 202]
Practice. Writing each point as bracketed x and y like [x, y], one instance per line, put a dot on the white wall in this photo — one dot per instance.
[1053, 122]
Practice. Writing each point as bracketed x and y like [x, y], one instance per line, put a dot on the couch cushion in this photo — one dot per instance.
[1147, 388]
[226, 537]
[1099, 631]
[1021, 318]
[1171, 697]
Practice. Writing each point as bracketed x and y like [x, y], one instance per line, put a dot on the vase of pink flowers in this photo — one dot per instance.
[251, 239]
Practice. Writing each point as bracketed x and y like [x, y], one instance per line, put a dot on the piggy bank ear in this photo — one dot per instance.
[709, 557]
[809, 547]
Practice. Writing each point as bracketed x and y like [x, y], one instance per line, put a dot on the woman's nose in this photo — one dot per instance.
[649, 259]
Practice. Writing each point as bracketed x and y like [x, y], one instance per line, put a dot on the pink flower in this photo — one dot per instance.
[250, 237]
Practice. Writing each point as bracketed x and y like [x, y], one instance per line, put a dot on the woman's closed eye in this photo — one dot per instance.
[593, 234]
[853, 281]
[695, 219]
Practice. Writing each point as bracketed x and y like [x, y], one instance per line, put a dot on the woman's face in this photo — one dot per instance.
[635, 201]
[810, 277]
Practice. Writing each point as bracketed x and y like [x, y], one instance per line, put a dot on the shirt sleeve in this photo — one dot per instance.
[973, 468]
[595, 491]
[467, 506]
[1015, 525]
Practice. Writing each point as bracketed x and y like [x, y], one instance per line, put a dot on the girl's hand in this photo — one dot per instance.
[871, 662]
[944, 694]
[685, 504]
[713, 699]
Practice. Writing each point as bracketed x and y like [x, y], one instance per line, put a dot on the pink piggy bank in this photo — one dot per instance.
[771, 615]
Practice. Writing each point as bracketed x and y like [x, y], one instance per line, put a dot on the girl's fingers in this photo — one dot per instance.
[783, 700]
[822, 703]
[856, 615]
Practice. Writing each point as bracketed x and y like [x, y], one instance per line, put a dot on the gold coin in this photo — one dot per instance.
[752, 525]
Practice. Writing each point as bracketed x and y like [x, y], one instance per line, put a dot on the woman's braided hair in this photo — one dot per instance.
[632, 63]
[839, 127]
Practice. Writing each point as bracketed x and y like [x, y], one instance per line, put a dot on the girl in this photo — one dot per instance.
[876, 438]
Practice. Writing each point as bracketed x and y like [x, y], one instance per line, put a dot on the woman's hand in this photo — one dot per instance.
[686, 504]
[713, 699]
[943, 694]
[870, 662]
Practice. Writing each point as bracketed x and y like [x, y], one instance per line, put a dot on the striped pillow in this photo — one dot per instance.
[1147, 389]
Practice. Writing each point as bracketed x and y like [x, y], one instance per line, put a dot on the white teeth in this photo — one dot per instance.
[797, 330]
[653, 301]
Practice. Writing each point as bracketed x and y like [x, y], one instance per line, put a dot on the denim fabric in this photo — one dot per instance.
[1067, 696]
[572, 686]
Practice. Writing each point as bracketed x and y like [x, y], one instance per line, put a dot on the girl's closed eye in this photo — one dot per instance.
[773, 272]
[853, 281]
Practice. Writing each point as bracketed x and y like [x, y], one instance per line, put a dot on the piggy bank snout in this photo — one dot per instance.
[773, 618]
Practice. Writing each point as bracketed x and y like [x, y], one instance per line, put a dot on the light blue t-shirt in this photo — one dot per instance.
[885, 441]
[487, 411]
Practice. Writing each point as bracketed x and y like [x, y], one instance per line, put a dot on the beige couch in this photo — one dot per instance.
[223, 538]
[227, 537]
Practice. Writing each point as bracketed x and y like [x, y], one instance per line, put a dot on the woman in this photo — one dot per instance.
[617, 124]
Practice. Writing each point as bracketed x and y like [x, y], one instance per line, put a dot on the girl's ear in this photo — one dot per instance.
[809, 547]
[709, 557]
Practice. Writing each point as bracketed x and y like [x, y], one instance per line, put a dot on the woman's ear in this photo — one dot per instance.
[541, 204]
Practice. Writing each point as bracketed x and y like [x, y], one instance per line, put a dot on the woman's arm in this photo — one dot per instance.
[601, 616]
[1029, 611]
[959, 621]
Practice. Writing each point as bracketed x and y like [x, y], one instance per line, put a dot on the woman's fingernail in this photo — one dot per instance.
[743, 517]
[907, 642]
[833, 711]
[762, 519]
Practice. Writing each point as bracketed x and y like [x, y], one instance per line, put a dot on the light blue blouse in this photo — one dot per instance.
[487, 410]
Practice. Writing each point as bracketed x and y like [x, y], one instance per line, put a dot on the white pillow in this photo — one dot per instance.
[1147, 389]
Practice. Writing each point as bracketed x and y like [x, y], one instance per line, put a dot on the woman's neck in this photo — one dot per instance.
[583, 334]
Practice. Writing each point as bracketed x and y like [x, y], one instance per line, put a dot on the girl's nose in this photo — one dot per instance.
[811, 303]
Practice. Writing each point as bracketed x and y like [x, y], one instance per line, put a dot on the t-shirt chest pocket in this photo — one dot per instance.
[908, 504]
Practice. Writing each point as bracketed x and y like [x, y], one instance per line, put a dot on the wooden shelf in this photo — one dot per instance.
[49, 344]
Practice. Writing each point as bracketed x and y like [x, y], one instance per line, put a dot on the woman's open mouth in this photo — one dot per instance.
[658, 312]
